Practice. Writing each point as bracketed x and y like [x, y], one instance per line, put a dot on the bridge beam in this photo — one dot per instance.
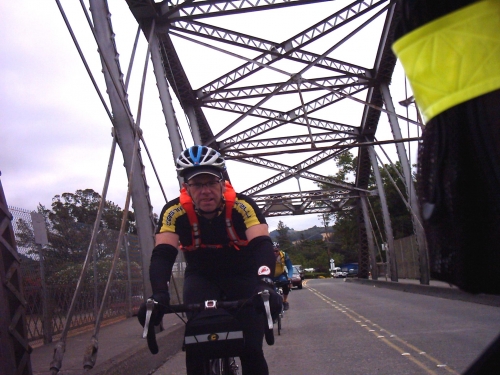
[410, 187]
[127, 132]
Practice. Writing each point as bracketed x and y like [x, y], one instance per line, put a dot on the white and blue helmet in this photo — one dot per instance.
[197, 159]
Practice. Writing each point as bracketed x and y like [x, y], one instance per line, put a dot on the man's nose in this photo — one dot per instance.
[205, 187]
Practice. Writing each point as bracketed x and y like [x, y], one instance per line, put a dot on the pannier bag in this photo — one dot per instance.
[214, 334]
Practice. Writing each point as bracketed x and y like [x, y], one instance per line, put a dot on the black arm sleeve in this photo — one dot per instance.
[264, 256]
[160, 268]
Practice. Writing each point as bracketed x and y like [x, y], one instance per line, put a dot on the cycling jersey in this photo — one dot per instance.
[220, 270]
[222, 260]
[188, 205]
[283, 263]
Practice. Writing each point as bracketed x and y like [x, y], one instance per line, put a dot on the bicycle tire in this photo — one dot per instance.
[212, 367]
[232, 366]
[222, 366]
[280, 315]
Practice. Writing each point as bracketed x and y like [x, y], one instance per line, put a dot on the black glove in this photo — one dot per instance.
[163, 299]
[159, 309]
[275, 300]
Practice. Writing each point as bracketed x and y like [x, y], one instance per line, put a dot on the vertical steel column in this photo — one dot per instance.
[14, 348]
[41, 240]
[166, 99]
[369, 235]
[193, 122]
[125, 132]
[129, 277]
[410, 187]
[364, 251]
[393, 268]
[169, 113]
[46, 315]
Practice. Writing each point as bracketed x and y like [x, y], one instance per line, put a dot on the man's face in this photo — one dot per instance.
[206, 191]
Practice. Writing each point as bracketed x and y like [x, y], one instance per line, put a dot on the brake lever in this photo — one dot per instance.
[150, 334]
[265, 297]
[150, 304]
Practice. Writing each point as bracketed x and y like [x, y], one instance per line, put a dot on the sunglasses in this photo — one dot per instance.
[211, 185]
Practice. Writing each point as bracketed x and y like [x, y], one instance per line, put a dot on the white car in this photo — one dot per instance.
[338, 273]
[309, 269]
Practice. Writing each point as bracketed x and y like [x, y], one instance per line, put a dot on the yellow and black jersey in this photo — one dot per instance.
[224, 258]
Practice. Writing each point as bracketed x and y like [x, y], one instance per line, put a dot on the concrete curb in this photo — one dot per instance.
[141, 361]
[121, 350]
[435, 291]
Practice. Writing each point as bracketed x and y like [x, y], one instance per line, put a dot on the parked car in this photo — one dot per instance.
[337, 272]
[296, 279]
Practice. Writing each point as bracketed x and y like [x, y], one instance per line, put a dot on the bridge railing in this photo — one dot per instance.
[50, 275]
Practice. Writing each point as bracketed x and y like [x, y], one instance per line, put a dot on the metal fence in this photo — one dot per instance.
[50, 276]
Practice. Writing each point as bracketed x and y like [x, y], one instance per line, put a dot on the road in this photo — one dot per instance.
[337, 327]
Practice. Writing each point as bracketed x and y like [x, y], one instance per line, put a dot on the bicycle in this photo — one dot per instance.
[219, 343]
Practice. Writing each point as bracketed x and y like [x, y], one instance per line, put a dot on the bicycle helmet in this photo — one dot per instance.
[197, 159]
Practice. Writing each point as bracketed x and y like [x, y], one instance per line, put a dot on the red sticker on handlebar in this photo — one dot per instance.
[264, 270]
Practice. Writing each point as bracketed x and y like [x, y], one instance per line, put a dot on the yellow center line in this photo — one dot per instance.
[368, 326]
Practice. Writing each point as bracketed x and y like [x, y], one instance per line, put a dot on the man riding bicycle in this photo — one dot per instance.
[226, 244]
[283, 273]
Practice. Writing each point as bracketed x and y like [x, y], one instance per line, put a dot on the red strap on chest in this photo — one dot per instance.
[188, 206]
[230, 198]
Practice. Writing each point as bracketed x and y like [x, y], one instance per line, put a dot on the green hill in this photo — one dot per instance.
[313, 233]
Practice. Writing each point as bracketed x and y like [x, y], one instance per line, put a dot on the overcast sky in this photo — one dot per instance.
[55, 133]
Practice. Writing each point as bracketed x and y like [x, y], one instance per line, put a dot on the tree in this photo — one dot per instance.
[308, 248]
[70, 274]
[401, 220]
[81, 207]
[283, 240]
[345, 227]
[346, 236]
[313, 254]
[69, 229]
[345, 233]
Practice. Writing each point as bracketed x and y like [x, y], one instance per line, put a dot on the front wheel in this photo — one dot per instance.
[223, 366]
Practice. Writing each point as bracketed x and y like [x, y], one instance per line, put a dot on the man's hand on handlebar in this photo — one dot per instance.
[275, 300]
[160, 308]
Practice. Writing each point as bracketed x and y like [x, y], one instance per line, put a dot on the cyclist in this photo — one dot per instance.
[283, 273]
[226, 244]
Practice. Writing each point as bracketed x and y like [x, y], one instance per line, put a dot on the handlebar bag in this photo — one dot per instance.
[214, 334]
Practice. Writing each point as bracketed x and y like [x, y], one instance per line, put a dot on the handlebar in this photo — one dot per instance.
[150, 334]
[207, 305]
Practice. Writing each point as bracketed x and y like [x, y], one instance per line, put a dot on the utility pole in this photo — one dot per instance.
[326, 221]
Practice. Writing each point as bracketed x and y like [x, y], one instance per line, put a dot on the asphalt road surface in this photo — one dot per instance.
[337, 327]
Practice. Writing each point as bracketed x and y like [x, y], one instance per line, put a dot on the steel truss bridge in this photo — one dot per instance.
[291, 97]
[286, 97]
[288, 107]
